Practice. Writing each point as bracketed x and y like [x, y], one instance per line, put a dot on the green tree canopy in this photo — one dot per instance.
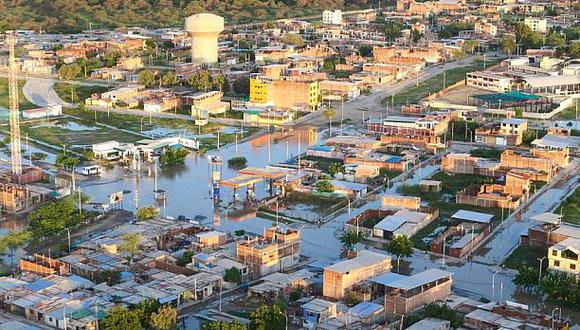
[164, 319]
[268, 317]
[169, 79]
[146, 77]
[324, 184]
[293, 39]
[233, 275]
[70, 71]
[400, 245]
[120, 318]
[130, 243]
[350, 239]
[147, 213]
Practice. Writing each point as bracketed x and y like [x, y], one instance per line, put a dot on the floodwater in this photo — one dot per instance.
[188, 193]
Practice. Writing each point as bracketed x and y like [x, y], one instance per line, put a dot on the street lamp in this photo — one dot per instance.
[493, 285]
[540, 269]
[285, 318]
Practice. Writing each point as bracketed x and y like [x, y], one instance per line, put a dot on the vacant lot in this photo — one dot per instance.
[73, 132]
[24, 104]
[75, 93]
[571, 208]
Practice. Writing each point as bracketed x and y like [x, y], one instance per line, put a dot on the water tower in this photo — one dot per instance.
[204, 29]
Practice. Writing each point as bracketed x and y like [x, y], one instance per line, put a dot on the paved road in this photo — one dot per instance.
[373, 101]
[41, 93]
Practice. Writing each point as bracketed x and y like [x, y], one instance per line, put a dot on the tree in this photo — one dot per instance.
[237, 162]
[219, 82]
[242, 86]
[221, 325]
[120, 318]
[66, 161]
[70, 71]
[556, 40]
[575, 49]
[470, 46]
[13, 240]
[146, 77]
[268, 317]
[111, 277]
[147, 213]
[365, 50]
[88, 155]
[335, 168]
[416, 35]
[329, 114]
[173, 156]
[130, 243]
[400, 246]
[184, 259]
[293, 39]
[324, 185]
[164, 319]
[508, 44]
[200, 80]
[169, 79]
[54, 217]
[393, 30]
[350, 239]
[233, 275]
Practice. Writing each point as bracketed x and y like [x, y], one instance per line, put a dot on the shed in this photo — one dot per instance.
[472, 216]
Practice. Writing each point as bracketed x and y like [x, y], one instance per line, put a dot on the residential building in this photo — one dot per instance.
[565, 257]
[541, 169]
[332, 17]
[405, 295]
[268, 117]
[317, 311]
[537, 24]
[560, 85]
[338, 278]
[432, 324]
[275, 251]
[402, 223]
[486, 29]
[205, 103]
[467, 164]
[509, 132]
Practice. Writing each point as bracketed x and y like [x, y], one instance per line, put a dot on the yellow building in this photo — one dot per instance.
[565, 257]
[285, 92]
[268, 117]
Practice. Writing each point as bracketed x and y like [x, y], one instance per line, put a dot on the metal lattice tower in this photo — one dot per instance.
[14, 111]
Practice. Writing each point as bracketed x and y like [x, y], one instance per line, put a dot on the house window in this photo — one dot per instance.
[554, 252]
[556, 263]
[573, 266]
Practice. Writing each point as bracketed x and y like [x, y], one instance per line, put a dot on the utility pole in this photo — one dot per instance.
[14, 110]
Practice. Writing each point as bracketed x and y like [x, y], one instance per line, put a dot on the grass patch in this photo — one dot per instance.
[453, 183]
[435, 83]
[524, 256]
[22, 101]
[571, 208]
[459, 131]
[136, 122]
[492, 153]
[567, 114]
[323, 163]
[75, 93]
[55, 133]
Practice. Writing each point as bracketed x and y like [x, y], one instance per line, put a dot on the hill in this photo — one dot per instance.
[75, 15]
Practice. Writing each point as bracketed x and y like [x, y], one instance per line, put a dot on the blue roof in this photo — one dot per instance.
[125, 276]
[394, 159]
[38, 285]
[202, 256]
[386, 278]
[365, 309]
[81, 280]
[323, 148]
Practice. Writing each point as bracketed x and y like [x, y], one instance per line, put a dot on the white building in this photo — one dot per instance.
[537, 24]
[490, 81]
[332, 17]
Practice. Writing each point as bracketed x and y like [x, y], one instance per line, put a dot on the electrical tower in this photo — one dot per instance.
[14, 111]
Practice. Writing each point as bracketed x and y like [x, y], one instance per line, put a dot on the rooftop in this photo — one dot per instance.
[364, 259]
[420, 279]
[472, 216]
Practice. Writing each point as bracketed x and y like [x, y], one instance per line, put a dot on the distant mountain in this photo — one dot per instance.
[76, 15]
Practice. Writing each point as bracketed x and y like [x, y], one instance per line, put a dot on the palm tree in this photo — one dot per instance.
[329, 114]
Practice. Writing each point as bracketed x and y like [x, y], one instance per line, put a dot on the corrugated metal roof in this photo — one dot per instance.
[473, 216]
[417, 280]
[365, 309]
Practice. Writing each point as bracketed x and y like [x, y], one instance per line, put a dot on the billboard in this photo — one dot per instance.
[116, 198]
